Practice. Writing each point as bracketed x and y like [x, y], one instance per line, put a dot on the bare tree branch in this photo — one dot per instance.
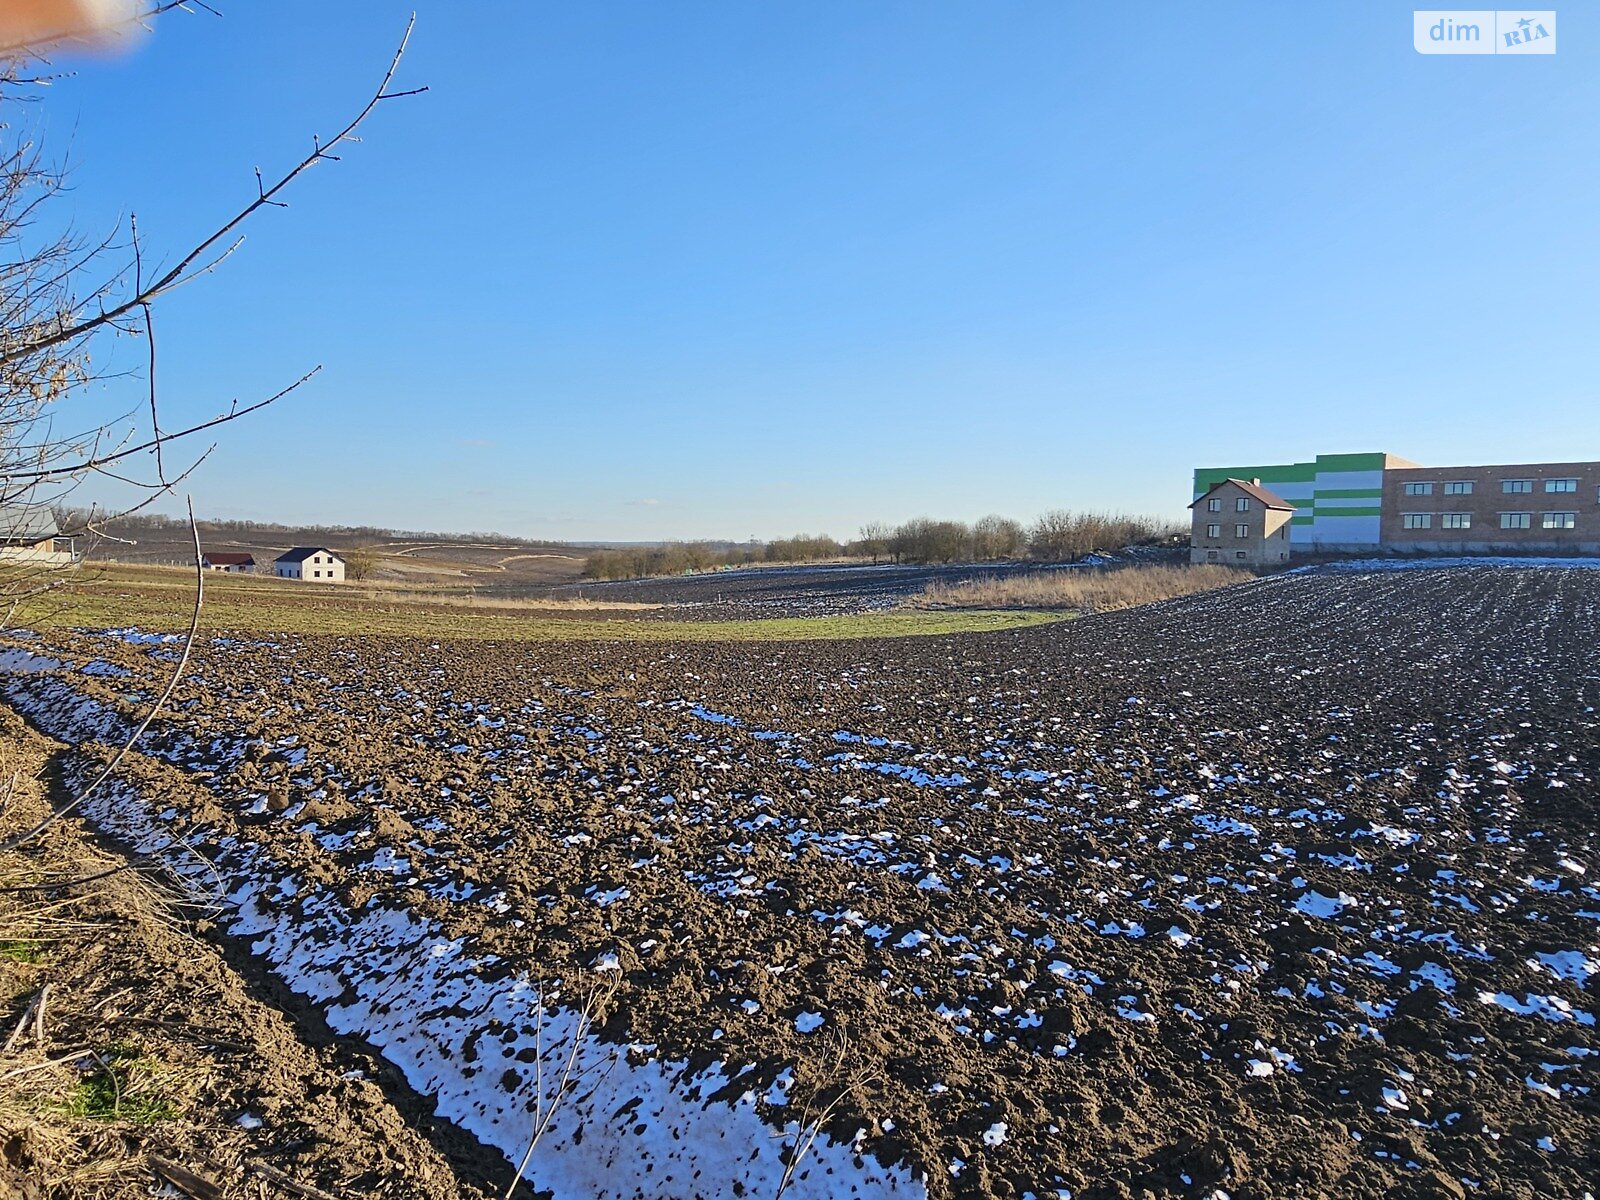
[95, 463]
[140, 19]
[181, 273]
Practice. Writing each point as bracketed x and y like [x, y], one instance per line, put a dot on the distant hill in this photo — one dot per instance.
[485, 562]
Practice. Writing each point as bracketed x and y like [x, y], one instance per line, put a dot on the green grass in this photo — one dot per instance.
[21, 951]
[119, 1089]
[259, 607]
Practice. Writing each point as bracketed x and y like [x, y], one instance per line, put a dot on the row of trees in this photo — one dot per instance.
[1057, 536]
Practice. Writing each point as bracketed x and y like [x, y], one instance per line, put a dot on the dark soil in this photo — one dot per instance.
[1285, 890]
[175, 1061]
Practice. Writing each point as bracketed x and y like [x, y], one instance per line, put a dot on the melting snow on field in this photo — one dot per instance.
[467, 1036]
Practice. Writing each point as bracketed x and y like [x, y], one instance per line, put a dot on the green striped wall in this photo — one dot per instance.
[1347, 513]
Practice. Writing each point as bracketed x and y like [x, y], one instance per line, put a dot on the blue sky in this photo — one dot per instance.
[647, 270]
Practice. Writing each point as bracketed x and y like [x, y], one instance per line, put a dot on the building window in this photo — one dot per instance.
[1242, 504]
[1240, 554]
[1455, 520]
[1516, 487]
[1560, 485]
[1211, 556]
[1213, 531]
[1241, 531]
[1416, 520]
[1419, 489]
[1458, 487]
[1214, 504]
[1516, 520]
[1560, 520]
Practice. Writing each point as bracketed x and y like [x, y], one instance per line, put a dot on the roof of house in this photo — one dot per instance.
[1270, 499]
[229, 558]
[27, 523]
[301, 553]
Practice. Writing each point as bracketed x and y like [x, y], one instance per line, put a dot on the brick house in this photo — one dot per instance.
[1240, 523]
[1526, 508]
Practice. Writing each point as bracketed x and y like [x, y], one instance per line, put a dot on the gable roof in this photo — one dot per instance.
[27, 523]
[228, 558]
[1255, 490]
[301, 553]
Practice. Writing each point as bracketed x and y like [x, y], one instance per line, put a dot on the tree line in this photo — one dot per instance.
[1059, 535]
[131, 525]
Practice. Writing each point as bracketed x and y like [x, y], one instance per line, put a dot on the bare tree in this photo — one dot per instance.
[1053, 536]
[875, 539]
[1059, 535]
[997, 537]
[360, 562]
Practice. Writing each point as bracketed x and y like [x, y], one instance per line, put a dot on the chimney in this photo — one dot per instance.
[1256, 482]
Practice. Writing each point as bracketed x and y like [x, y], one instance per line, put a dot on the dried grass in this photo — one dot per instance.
[66, 1108]
[1083, 590]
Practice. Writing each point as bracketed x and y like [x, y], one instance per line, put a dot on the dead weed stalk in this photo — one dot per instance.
[835, 1087]
[596, 1002]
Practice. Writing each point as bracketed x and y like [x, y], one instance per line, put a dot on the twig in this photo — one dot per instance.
[109, 1000]
[66, 883]
[38, 1015]
[116, 1082]
[185, 1180]
[811, 1126]
[95, 463]
[140, 18]
[150, 342]
[195, 1033]
[22, 1025]
[53, 1062]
